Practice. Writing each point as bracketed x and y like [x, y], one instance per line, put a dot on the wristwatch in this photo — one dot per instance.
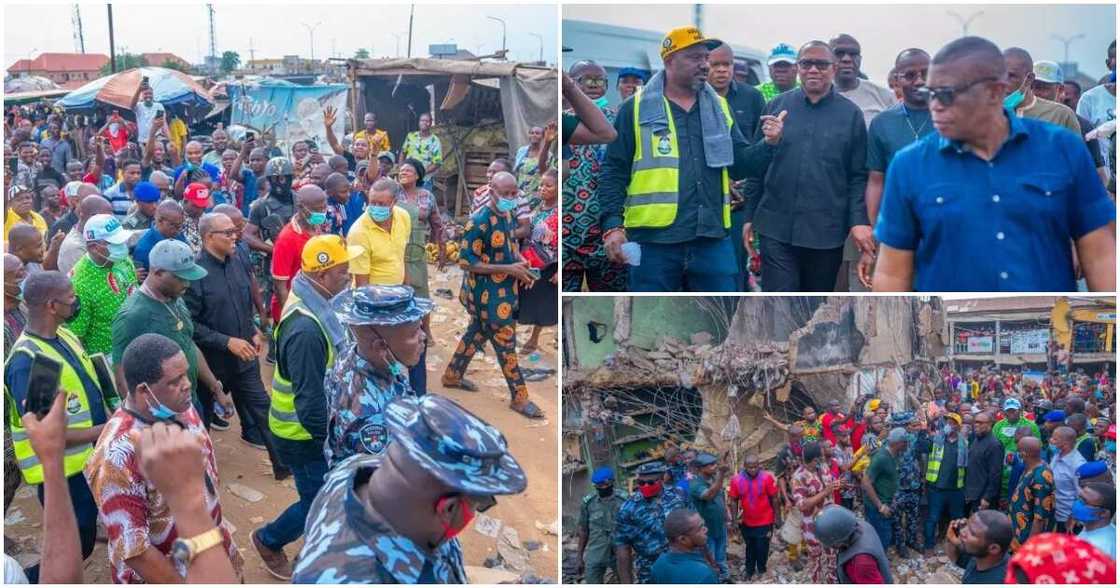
[183, 551]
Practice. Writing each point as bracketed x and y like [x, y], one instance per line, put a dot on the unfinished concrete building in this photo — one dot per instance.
[703, 371]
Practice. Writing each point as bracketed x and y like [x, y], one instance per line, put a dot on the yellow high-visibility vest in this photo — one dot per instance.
[78, 415]
[282, 418]
[933, 468]
[652, 197]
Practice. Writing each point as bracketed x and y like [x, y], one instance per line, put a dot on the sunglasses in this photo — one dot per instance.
[479, 503]
[819, 64]
[913, 75]
[647, 482]
[947, 94]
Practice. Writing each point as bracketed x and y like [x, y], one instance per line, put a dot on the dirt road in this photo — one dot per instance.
[533, 444]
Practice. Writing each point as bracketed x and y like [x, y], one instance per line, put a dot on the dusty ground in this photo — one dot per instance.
[533, 444]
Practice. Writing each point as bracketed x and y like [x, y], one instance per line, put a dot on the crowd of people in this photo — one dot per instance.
[821, 179]
[158, 273]
[1012, 479]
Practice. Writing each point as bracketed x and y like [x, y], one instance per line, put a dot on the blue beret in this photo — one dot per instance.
[902, 418]
[146, 192]
[1055, 416]
[1092, 469]
[633, 71]
[602, 474]
[651, 468]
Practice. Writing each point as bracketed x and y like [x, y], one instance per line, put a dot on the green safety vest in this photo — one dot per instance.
[282, 418]
[933, 468]
[652, 197]
[78, 415]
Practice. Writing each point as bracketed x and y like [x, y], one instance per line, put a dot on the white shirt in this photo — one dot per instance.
[144, 116]
[1065, 482]
[1099, 106]
[13, 573]
[72, 249]
[871, 98]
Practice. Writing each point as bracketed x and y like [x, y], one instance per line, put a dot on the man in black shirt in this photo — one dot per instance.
[813, 192]
[984, 474]
[221, 304]
[746, 105]
[979, 545]
[682, 227]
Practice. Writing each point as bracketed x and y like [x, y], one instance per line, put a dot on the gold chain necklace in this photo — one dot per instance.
[178, 321]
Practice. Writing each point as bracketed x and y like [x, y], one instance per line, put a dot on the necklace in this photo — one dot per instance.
[917, 132]
[178, 321]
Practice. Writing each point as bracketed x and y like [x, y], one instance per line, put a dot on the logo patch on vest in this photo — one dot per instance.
[374, 438]
[73, 404]
[664, 145]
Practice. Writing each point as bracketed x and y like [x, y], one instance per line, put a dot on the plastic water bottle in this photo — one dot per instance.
[632, 252]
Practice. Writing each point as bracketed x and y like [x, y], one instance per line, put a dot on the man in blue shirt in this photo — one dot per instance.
[194, 161]
[1003, 194]
[168, 225]
[684, 562]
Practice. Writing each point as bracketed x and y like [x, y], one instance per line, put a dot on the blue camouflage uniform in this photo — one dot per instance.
[357, 392]
[640, 525]
[906, 506]
[348, 542]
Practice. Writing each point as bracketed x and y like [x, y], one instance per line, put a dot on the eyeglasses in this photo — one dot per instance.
[593, 82]
[947, 94]
[913, 75]
[227, 232]
[819, 64]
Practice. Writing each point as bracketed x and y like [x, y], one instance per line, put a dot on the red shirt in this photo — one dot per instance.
[863, 569]
[754, 498]
[826, 425]
[857, 436]
[286, 260]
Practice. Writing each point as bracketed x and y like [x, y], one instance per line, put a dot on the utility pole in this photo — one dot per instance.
[79, 38]
[213, 35]
[112, 45]
[503, 31]
[252, 54]
[698, 16]
[540, 38]
[964, 22]
[1066, 42]
[311, 32]
[334, 52]
[411, 13]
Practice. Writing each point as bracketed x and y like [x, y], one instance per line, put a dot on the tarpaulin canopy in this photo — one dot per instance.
[169, 87]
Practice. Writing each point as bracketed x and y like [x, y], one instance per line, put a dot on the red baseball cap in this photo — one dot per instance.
[197, 194]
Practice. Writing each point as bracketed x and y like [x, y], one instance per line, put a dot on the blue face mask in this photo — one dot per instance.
[1013, 100]
[379, 213]
[160, 410]
[1110, 446]
[118, 252]
[602, 102]
[505, 205]
[1085, 513]
[316, 218]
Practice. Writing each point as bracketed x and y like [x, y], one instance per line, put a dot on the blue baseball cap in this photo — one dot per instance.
[453, 445]
[602, 474]
[1012, 404]
[782, 53]
[380, 306]
[146, 192]
[1055, 416]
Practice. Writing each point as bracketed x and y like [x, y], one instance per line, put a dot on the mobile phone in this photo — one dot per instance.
[105, 380]
[42, 385]
[536, 273]
[250, 136]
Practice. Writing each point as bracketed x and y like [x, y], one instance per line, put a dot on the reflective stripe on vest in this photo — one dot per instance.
[282, 418]
[78, 415]
[652, 197]
[933, 468]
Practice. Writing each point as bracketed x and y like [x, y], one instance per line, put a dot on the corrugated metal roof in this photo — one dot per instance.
[62, 62]
[1012, 304]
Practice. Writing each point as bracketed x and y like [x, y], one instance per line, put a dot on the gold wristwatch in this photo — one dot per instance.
[183, 551]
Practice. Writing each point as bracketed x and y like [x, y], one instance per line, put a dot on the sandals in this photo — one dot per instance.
[463, 384]
[528, 409]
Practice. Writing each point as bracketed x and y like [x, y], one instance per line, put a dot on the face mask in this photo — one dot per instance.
[117, 252]
[316, 218]
[605, 491]
[396, 368]
[650, 490]
[1110, 446]
[1054, 449]
[113, 128]
[1014, 99]
[602, 102]
[379, 213]
[75, 308]
[147, 102]
[160, 410]
[505, 205]
[1085, 513]
[450, 531]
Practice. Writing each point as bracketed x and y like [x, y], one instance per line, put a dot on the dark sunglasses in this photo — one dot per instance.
[947, 94]
[819, 64]
[913, 75]
[647, 482]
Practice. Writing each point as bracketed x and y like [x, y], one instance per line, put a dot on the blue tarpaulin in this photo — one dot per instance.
[290, 112]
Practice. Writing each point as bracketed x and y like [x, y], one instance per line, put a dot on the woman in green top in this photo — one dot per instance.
[527, 166]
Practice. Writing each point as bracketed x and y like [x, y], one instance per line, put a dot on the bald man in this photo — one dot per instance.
[871, 98]
[309, 219]
[26, 243]
[74, 245]
[1041, 194]
[492, 274]
[1064, 464]
[74, 192]
[14, 319]
[1032, 499]
[1021, 96]
[194, 162]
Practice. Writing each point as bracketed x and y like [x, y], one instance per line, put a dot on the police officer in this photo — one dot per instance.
[267, 218]
[50, 301]
[639, 533]
[373, 370]
[393, 518]
[308, 338]
[597, 517]
[838, 528]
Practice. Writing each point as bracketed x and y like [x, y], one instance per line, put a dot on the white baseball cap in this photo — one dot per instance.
[105, 227]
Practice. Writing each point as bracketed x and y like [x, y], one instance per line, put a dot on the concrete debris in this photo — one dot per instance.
[487, 526]
[487, 574]
[15, 517]
[514, 555]
[533, 545]
[244, 492]
[552, 528]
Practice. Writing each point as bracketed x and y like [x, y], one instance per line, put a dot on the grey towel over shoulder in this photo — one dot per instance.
[718, 151]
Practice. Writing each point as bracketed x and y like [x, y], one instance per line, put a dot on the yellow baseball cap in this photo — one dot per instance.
[326, 251]
[683, 38]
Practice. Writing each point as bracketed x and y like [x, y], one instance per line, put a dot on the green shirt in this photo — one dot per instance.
[426, 150]
[713, 510]
[597, 516]
[769, 90]
[102, 291]
[884, 474]
[143, 314]
[1005, 432]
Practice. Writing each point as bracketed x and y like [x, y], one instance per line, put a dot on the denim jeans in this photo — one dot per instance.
[717, 544]
[700, 265]
[880, 523]
[289, 525]
[941, 502]
[85, 510]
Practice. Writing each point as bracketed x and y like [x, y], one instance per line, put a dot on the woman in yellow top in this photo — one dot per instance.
[19, 211]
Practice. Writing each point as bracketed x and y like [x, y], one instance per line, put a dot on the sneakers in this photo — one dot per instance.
[275, 562]
[218, 423]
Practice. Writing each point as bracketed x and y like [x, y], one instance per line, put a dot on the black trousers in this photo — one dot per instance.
[757, 540]
[243, 381]
[787, 268]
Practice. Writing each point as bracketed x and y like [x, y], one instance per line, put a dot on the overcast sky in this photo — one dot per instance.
[276, 30]
[883, 30]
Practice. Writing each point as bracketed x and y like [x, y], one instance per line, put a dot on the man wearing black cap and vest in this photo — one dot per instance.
[394, 518]
[861, 558]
